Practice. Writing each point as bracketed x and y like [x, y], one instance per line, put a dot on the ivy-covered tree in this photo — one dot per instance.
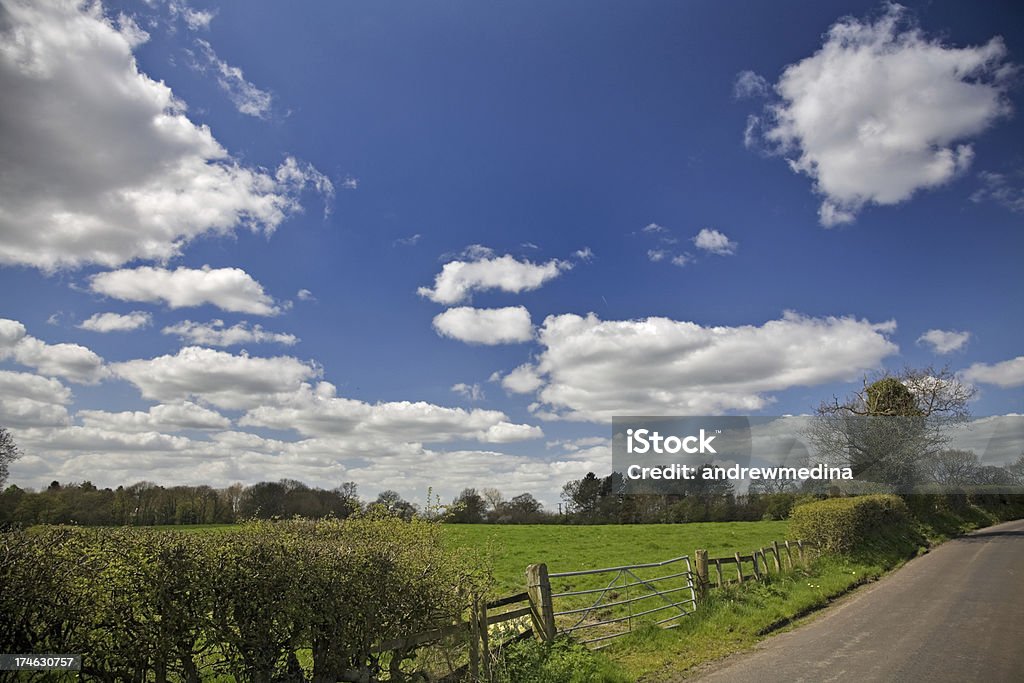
[892, 429]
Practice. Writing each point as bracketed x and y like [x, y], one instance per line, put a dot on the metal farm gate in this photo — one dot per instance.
[635, 595]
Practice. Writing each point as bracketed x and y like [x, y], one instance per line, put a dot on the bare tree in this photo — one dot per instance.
[9, 452]
[892, 429]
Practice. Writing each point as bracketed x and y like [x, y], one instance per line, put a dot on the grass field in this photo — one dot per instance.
[569, 548]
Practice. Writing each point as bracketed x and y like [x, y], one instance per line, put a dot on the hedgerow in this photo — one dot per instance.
[844, 525]
[158, 605]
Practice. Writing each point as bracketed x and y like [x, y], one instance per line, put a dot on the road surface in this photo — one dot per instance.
[955, 614]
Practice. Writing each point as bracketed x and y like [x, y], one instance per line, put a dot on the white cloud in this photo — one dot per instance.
[715, 242]
[122, 174]
[410, 241]
[317, 411]
[28, 400]
[945, 341]
[749, 84]
[681, 260]
[305, 295]
[231, 289]
[592, 369]
[247, 98]
[655, 255]
[71, 361]
[485, 325]
[160, 418]
[459, 279]
[585, 254]
[654, 228]
[522, 380]
[881, 111]
[996, 187]
[1007, 374]
[214, 333]
[216, 377]
[117, 322]
[350, 183]
[472, 392]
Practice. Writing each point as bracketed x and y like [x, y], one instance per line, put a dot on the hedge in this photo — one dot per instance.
[843, 525]
[246, 603]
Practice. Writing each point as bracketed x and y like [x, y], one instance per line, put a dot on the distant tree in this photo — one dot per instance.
[582, 497]
[468, 508]
[953, 467]
[394, 504]
[891, 429]
[9, 452]
[523, 509]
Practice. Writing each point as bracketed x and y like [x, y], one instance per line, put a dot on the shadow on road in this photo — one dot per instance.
[985, 535]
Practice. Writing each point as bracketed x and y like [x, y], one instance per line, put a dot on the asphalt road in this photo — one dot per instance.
[955, 614]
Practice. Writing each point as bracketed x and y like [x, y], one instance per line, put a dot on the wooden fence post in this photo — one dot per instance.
[778, 560]
[789, 555]
[718, 571]
[757, 571]
[539, 588]
[739, 568]
[701, 557]
[485, 646]
[474, 641]
[800, 552]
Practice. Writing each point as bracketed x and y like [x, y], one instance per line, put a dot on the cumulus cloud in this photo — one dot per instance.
[523, 380]
[231, 289]
[215, 377]
[28, 400]
[485, 325]
[305, 295]
[749, 84]
[459, 279]
[882, 111]
[70, 361]
[172, 417]
[317, 411]
[215, 333]
[654, 229]
[123, 174]
[944, 341]
[592, 369]
[117, 322]
[715, 242]
[1007, 374]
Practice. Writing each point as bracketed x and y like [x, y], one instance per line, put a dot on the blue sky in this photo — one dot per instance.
[440, 244]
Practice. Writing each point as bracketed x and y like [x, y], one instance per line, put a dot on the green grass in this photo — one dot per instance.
[570, 548]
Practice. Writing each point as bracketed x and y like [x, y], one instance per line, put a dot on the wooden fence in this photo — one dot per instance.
[677, 593]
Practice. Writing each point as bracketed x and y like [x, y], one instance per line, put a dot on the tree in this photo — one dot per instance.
[468, 508]
[9, 452]
[523, 509]
[955, 467]
[394, 504]
[892, 429]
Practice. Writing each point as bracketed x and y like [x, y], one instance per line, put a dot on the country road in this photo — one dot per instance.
[955, 614]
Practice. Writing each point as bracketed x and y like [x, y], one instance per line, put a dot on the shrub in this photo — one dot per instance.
[159, 605]
[843, 525]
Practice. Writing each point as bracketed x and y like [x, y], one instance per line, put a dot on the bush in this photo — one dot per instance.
[250, 603]
[562, 661]
[843, 525]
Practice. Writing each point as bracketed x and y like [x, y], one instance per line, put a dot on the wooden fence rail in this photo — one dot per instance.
[538, 601]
